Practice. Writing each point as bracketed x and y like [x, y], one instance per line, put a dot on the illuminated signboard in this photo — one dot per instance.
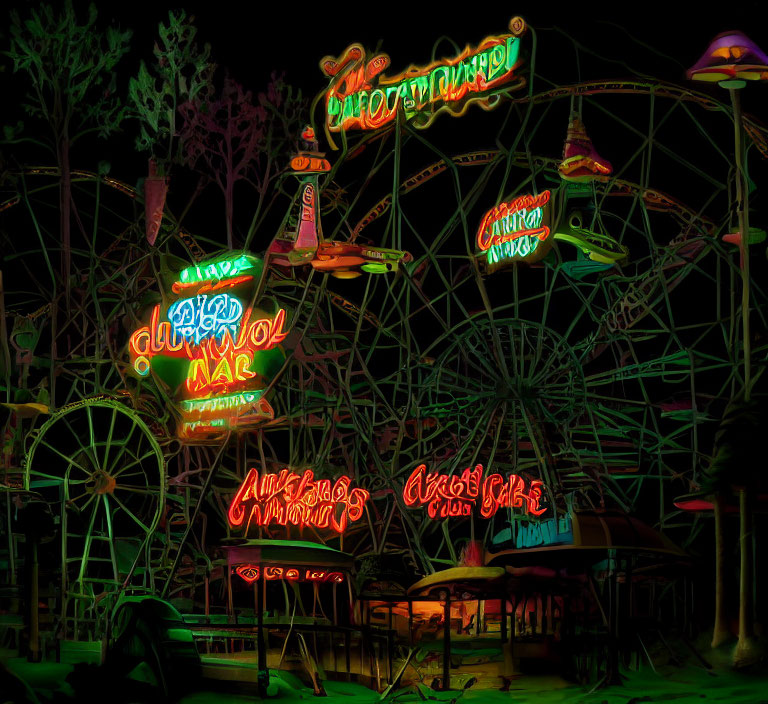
[516, 231]
[296, 499]
[250, 573]
[224, 350]
[457, 495]
[361, 97]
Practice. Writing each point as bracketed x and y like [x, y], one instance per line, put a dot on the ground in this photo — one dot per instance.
[683, 685]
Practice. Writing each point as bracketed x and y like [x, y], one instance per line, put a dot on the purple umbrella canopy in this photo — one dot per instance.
[731, 56]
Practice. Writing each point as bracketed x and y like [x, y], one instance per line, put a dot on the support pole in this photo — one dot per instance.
[261, 641]
[447, 643]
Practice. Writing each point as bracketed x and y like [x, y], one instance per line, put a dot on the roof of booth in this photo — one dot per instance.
[595, 531]
[290, 552]
[457, 576]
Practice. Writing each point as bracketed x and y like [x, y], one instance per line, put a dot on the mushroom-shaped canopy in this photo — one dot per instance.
[730, 56]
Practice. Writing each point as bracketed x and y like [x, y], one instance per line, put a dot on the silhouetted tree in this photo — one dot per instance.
[231, 138]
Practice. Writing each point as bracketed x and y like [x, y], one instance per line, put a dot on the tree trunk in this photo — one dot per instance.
[229, 204]
[720, 633]
[746, 650]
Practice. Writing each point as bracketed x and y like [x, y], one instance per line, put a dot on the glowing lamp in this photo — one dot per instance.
[731, 59]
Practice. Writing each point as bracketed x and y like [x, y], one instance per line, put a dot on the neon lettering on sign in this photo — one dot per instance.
[250, 573]
[205, 316]
[215, 365]
[515, 231]
[220, 271]
[234, 411]
[457, 495]
[361, 97]
[301, 500]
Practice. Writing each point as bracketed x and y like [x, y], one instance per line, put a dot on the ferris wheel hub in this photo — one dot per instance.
[101, 482]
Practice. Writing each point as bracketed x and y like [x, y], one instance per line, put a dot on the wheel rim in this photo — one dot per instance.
[98, 461]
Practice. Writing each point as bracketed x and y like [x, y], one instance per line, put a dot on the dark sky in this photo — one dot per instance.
[252, 39]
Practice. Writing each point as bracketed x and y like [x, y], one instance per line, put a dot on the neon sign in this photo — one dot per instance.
[361, 97]
[250, 573]
[301, 500]
[220, 340]
[515, 231]
[457, 495]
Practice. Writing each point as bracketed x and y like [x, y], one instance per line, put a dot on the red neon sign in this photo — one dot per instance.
[301, 500]
[250, 573]
[456, 495]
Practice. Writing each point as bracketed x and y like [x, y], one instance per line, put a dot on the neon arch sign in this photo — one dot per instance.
[361, 97]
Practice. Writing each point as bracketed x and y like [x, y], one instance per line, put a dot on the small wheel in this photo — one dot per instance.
[98, 463]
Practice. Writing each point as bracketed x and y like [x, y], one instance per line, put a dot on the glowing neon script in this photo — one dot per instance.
[360, 98]
[208, 277]
[300, 500]
[457, 495]
[224, 269]
[514, 230]
[250, 573]
[205, 316]
[206, 415]
[218, 366]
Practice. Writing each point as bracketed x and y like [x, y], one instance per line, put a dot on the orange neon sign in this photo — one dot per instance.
[457, 495]
[216, 365]
[250, 573]
[288, 498]
[361, 97]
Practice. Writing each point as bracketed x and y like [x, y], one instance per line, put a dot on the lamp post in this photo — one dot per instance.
[731, 60]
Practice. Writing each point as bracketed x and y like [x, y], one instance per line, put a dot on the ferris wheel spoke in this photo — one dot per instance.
[88, 539]
[133, 463]
[86, 450]
[137, 490]
[110, 536]
[70, 461]
[131, 514]
[125, 443]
